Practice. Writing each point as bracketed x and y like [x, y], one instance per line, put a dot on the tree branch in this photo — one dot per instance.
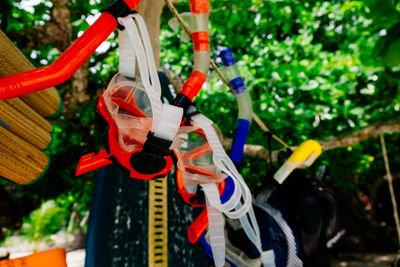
[174, 79]
[258, 151]
[360, 135]
[151, 11]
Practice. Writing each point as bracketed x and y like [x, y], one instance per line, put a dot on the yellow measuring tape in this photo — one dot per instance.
[158, 223]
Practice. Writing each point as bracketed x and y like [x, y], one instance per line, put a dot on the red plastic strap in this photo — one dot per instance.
[201, 41]
[64, 67]
[197, 228]
[193, 84]
[132, 3]
[92, 161]
[199, 6]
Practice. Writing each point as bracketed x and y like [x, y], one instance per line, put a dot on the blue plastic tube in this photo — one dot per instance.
[244, 117]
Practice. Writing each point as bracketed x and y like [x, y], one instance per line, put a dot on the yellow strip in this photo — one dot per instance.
[158, 223]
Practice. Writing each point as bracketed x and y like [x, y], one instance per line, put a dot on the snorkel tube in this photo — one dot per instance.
[245, 112]
[200, 10]
[68, 63]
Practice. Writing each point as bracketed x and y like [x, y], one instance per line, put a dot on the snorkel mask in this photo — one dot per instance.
[140, 128]
[153, 158]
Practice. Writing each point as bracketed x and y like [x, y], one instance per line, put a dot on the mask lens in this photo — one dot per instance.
[196, 161]
[130, 108]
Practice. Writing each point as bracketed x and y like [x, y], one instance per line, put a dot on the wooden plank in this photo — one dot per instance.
[20, 162]
[22, 107]
[22, 126]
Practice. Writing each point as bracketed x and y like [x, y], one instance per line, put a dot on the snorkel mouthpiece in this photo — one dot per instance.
[151, 159]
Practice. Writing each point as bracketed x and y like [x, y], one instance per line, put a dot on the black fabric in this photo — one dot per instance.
[118, 221]
[311, 211]
[117, 228]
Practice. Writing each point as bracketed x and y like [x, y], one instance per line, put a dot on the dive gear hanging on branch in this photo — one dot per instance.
[244, 118]
[274, 230]
[191, 176]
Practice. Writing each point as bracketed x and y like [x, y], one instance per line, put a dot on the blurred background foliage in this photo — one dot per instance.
[315, 69]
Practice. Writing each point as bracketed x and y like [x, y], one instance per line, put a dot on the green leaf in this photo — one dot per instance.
[309, 85]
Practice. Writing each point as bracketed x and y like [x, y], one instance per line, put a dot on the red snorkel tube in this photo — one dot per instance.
[200, 10]
[67, 64]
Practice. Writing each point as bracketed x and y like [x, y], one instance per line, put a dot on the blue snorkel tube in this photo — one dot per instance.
[244, 117]
[242, 128]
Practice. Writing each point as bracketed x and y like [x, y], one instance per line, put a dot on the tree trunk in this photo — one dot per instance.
[151, 11]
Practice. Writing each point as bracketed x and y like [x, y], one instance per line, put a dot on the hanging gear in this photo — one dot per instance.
[139, 137]
[154, 160]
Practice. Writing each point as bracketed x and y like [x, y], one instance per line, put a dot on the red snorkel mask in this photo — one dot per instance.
[140, 128]
[129, 139]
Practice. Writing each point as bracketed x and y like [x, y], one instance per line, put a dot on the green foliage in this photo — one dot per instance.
[43, 222]
[315, 69]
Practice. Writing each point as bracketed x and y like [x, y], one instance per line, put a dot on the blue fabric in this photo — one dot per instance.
[118, 222]
[117, 227]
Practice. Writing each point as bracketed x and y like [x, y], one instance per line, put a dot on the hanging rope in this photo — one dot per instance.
[390, 184]
[218, 71]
